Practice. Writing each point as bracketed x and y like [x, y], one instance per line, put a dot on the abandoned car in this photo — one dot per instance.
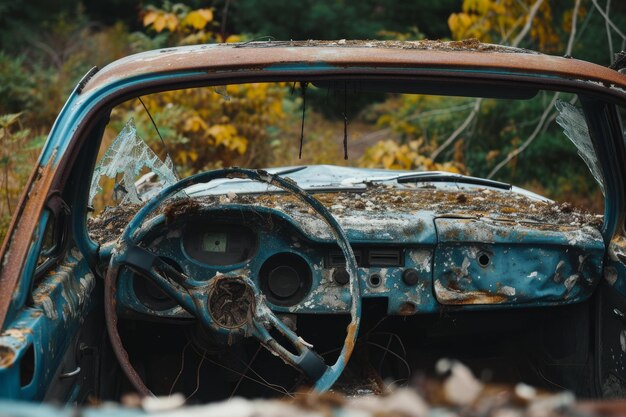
[127, 270]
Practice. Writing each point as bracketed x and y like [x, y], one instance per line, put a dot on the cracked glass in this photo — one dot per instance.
[127, 157]
[572, 120]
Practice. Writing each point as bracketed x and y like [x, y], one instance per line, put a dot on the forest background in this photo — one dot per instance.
[47, 45]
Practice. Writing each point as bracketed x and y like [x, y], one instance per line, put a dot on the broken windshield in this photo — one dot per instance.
[126, 158]
[311, 133]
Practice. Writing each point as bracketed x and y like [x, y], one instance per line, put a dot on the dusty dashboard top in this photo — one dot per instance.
[379, 204]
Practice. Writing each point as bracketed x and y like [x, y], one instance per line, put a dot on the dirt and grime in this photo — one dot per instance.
[426, 45]
[376, 203]
[454, 392]
[111, 222]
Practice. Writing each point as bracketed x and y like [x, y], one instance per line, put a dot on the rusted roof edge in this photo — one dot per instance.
[214, 58]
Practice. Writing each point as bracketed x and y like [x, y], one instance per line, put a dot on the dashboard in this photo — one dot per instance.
[443, 263]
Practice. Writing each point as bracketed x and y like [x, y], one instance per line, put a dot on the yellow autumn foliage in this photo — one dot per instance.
[390, 154]
[198, 19]
[209, 127]
[500, 21]
[160, 20]
[206, 127]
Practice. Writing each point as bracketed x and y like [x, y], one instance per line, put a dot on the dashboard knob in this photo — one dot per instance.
[341, 276]
[410, 277]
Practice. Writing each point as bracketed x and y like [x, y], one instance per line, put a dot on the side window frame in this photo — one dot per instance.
[53, 230]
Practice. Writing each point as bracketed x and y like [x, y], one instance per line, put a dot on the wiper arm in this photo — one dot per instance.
[289, 170]
[449, 177]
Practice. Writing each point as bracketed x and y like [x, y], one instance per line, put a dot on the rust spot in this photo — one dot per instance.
[7, 357]
[21, 231]
[452, 234]
[17, 334]
[407, 309]
[256, 56]
[350, 338]
[451, 296]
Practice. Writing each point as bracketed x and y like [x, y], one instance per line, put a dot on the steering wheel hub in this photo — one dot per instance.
[231, 302]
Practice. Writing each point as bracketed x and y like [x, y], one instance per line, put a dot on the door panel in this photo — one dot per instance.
[48, 307]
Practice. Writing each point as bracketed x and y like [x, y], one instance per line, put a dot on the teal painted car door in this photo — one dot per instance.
[41, 346]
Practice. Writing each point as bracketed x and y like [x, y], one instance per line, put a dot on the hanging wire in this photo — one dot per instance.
[261, 381]
[303, 86]
[345, 120]
[243, 375]
[167, 151]
[182, 367]
[197, 376]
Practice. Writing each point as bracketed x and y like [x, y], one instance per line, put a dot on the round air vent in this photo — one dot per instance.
[149, 293]
[285, 279]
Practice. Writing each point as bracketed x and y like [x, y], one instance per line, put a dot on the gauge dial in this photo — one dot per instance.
[219, 244]
[214, 242]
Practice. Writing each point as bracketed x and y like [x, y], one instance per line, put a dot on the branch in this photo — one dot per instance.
[224, 18]
[531, 16]
[458, 131]
[608, 20]
[380, 133]
[544, 116]
[572, 35]
[608, 31]
[528, 141]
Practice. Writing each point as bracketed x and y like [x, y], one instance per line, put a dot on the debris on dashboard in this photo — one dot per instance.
[376, 203]
[574, 125]
[111, 222]
[128, 155]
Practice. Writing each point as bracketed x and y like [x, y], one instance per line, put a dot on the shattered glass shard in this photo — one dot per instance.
[128, 155]
[221, 90]
[574, 125]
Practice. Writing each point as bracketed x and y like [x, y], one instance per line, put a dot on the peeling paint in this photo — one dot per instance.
[448, 296]
[7, 356]
[570, 282]
[610, 275]
[508, 291]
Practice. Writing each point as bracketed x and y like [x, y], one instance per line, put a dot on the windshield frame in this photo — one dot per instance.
[92, 109]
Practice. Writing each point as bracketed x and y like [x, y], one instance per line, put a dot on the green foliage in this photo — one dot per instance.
[351, 19]
[17, 88]
[18, 150]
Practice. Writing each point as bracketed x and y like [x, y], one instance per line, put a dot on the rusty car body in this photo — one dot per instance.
[460, 267]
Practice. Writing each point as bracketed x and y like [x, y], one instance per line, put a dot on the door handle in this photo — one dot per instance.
[70, 374]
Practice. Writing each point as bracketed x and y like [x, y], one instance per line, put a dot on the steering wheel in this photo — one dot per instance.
[251, 317]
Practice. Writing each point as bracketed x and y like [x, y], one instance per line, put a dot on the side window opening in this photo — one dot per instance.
[52, 240]
[48, 243]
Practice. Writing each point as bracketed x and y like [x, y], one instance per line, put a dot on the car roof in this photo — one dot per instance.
[268, 55]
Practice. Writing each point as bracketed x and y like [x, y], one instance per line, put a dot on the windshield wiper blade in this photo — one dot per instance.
[449, 177]
[290, 170]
